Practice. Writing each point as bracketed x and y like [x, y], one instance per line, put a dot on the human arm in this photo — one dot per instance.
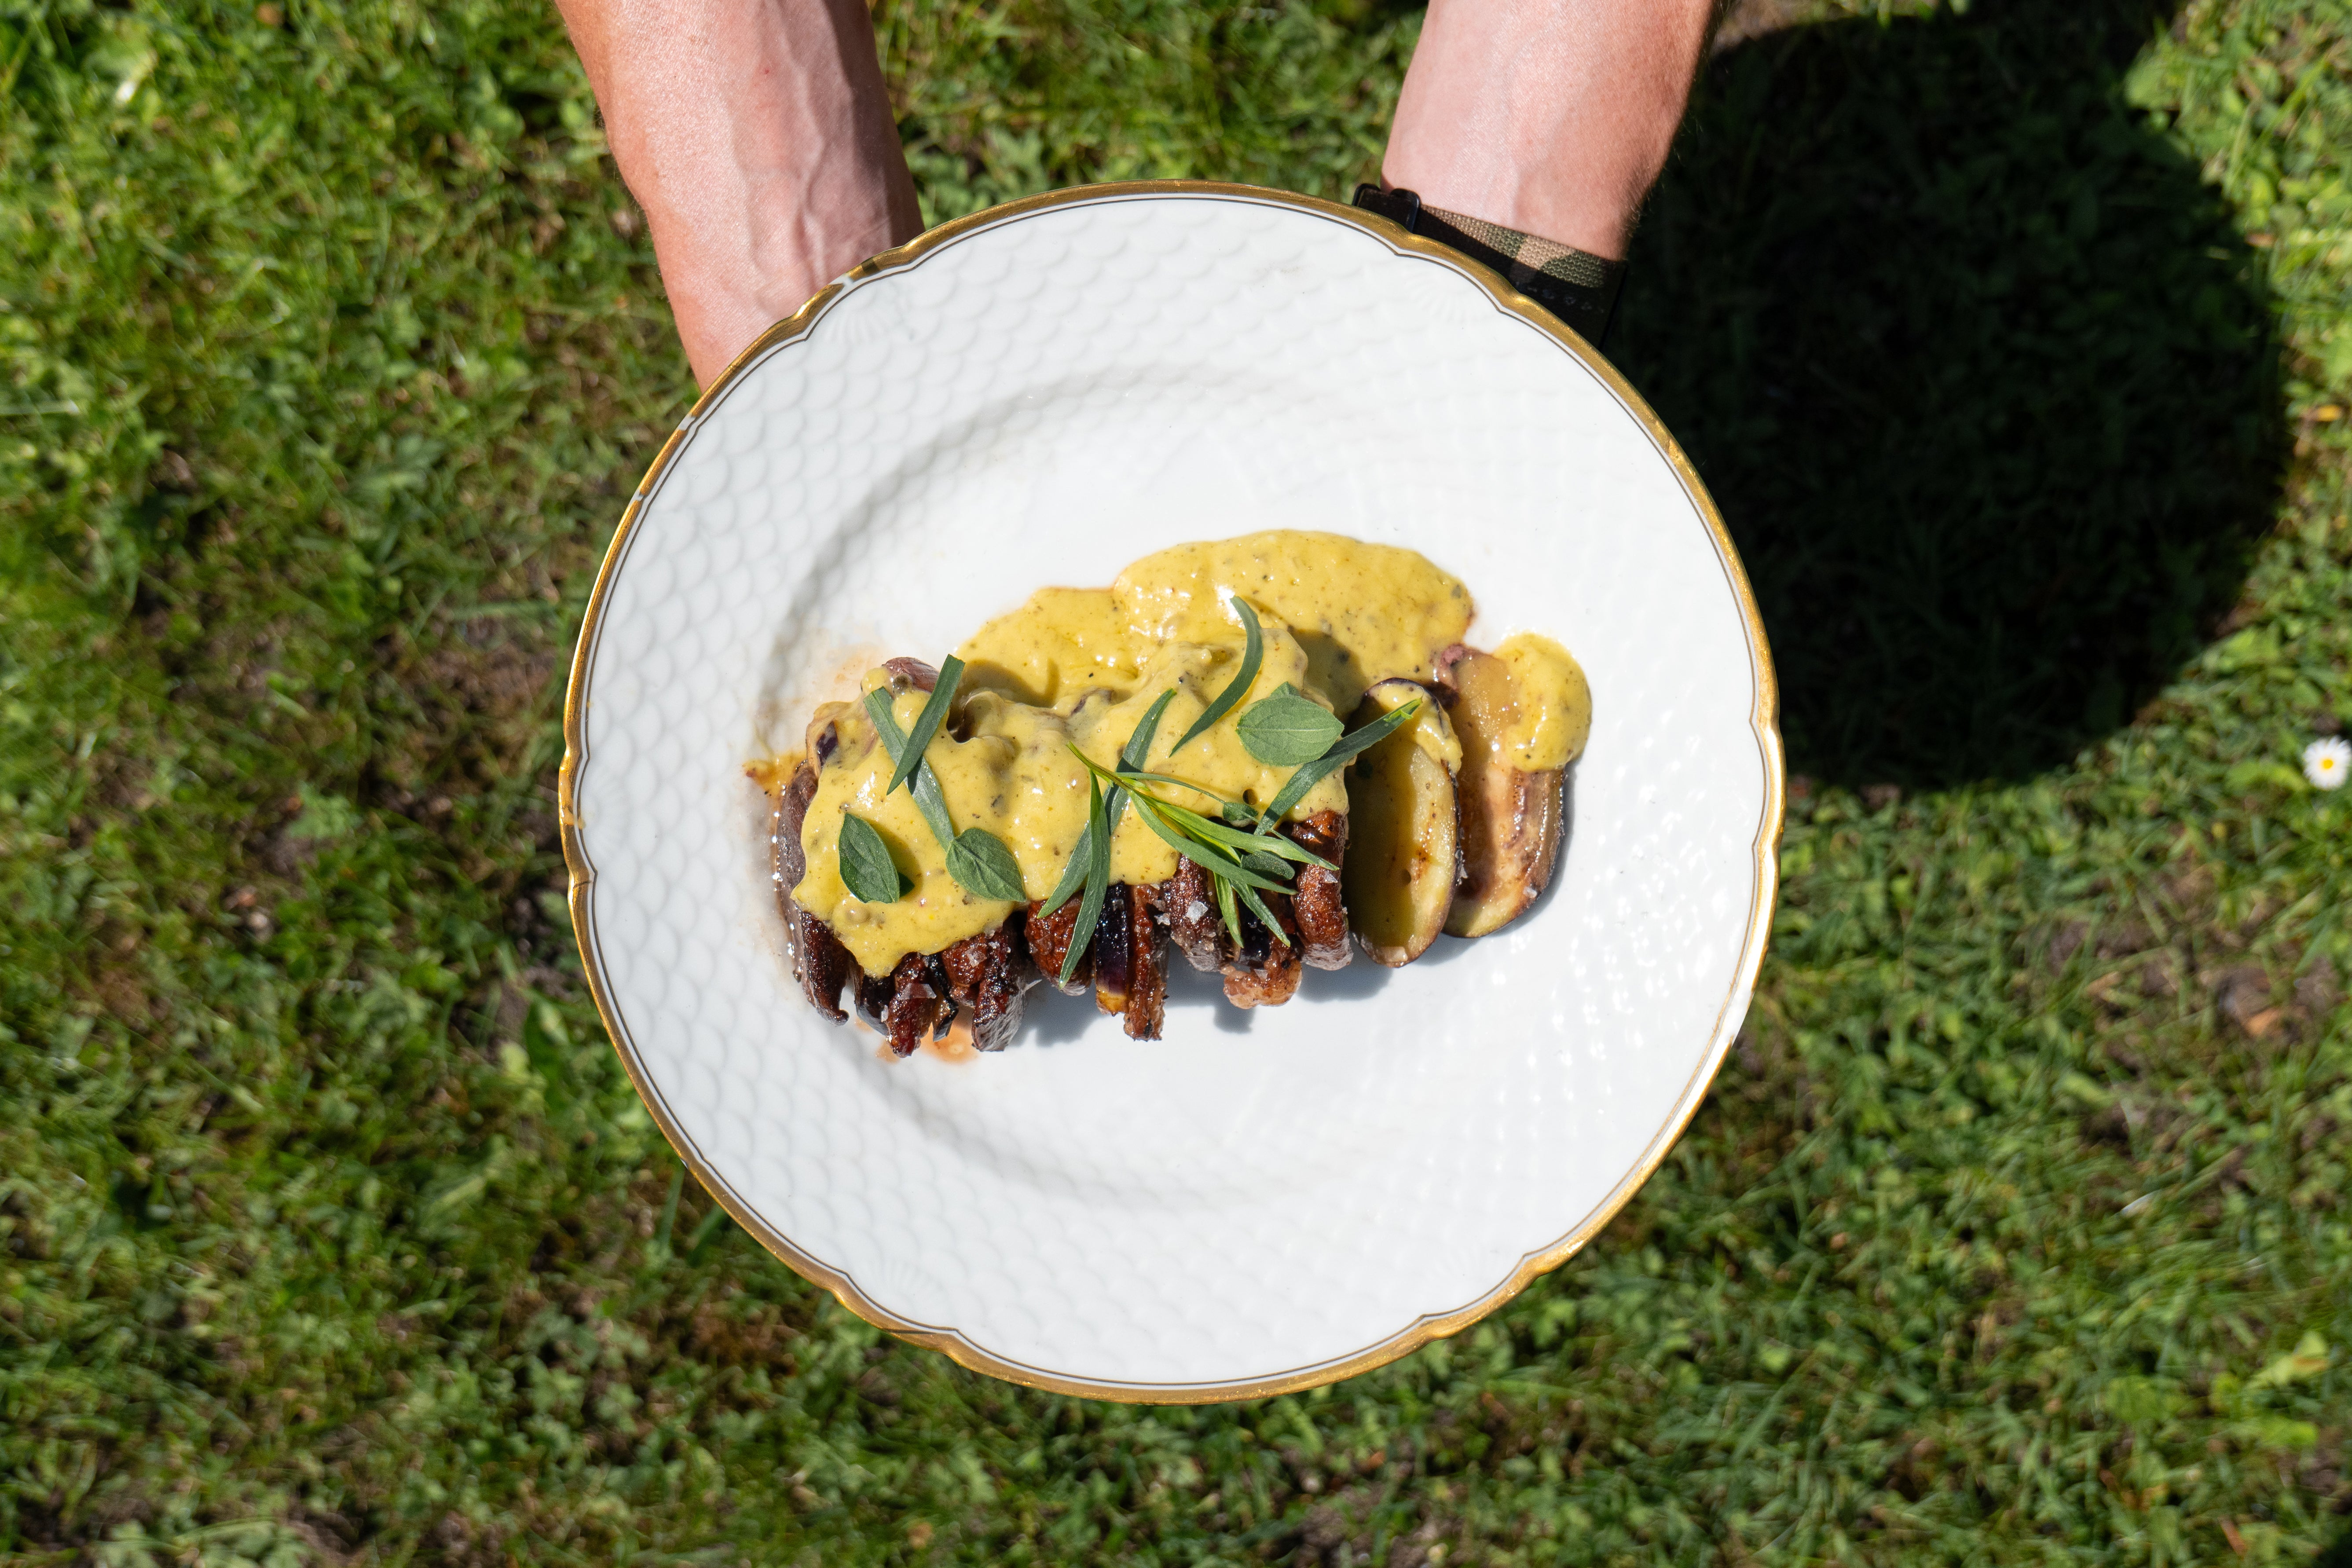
[757, 138]
[1551, 117]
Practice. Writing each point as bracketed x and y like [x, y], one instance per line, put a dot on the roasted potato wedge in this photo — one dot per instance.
[1512, 816]
[1403, 836]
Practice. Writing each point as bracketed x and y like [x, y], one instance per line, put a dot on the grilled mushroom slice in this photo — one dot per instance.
[1403, 837]
[1512, 818]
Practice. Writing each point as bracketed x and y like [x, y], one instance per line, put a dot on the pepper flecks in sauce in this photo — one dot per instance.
[1554, 705]
[1083, 665]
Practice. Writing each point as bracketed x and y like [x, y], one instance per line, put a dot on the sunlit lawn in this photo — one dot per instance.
[2014, 345]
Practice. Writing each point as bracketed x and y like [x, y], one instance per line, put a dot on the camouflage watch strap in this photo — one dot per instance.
[1579, 288]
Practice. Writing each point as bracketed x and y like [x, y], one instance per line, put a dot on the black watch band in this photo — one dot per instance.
[1580, 288]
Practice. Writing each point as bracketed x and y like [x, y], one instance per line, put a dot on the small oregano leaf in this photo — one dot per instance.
[866, 869]
[1286, 730]
[1313, 773]
[981, 864]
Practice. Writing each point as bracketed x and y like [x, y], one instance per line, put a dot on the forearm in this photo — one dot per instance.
[757, 138]
[1552, 117]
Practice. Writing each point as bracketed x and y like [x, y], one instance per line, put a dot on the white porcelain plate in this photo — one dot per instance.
[1039, 394]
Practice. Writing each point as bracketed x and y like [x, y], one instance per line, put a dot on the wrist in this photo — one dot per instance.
[757, 136]
[1551, 117]
[1591, 208]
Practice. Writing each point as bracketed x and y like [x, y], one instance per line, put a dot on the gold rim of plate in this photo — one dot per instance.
[1764, 720]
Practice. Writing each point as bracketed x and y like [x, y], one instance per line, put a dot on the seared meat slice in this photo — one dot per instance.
[1132, 961]
[1114, 951]
[1188, 901]
[874, 993]
[1049, 938]
[910, 1004]
[820, 963]
[914, 672]
[1146, 978]
[989, 973]
[1264, 972]
[1317, 906]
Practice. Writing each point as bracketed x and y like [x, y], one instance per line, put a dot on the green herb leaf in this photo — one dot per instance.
[981, 864]
[867, 868]
[1258, 908]
[1253, 655]
[1139, 745]
[1288, 730]
[1229, 910]
[1131, 755]
[1097, 858]
[1137, 775]
[1208, 857]
[1263, 842]
[1259, 860]
[1236, 814]
[1373, 733]
[1213, 834]
[1074, 877]
[929, 800]
[927, 723]
[1306, 778]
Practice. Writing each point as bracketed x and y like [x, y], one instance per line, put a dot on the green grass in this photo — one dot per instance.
[2015, 342]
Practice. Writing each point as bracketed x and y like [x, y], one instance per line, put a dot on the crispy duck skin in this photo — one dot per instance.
[990, 974]
[820, 963]
[1049, 938]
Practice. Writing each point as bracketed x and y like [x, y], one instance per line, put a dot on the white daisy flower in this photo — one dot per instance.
[2328, 764]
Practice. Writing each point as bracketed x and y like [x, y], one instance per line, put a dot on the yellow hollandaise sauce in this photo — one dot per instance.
[1552, 706]
[1082, 665]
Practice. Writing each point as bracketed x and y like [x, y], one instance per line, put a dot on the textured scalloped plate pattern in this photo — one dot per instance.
[1040, 394]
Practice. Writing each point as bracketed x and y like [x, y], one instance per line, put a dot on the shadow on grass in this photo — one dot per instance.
[1978, 369]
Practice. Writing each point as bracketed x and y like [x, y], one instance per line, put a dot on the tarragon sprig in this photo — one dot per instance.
[1253, 655]
[1243, 851]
